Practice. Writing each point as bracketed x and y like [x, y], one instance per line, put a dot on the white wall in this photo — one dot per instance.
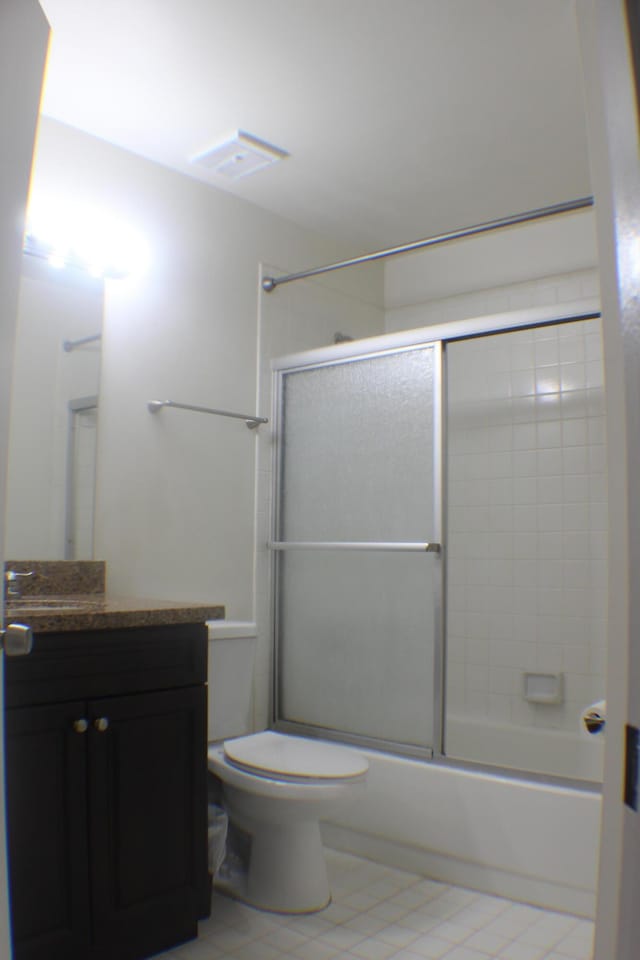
[175, 491]
[534, 264]
[556, 289]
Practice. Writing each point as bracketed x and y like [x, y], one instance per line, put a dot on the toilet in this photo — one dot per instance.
[276, 788]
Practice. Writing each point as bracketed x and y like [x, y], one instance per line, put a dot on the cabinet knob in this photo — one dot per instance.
[81, 725]
[101, 724]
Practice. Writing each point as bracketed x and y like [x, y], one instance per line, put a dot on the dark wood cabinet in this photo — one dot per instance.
[106, 794]
[46, 764]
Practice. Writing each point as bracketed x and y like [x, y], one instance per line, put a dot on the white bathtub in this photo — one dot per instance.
[530, 841]
[573, 754]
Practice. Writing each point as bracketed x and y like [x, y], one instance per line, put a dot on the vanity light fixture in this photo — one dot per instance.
[85, 239]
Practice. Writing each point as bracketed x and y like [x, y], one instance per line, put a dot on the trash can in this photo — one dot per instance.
[218, 824]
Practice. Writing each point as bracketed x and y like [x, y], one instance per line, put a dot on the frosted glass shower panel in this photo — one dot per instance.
[357, 643]
[357, 452]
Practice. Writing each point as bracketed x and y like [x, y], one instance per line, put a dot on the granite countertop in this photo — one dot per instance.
[61, 595]
[47, 613]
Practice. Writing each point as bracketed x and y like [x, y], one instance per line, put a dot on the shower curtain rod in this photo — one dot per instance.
[270, 283]
[251, 421]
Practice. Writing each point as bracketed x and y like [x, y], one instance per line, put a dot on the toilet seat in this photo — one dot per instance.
[277, 755]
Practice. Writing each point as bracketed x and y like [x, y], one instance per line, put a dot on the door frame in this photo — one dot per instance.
[612, 127]
[24, 38]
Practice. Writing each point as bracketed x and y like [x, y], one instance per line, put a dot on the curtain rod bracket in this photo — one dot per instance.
[69, 345]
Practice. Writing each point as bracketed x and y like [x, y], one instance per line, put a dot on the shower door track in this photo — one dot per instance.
[410, 750]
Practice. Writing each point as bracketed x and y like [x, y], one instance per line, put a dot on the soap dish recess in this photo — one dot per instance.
[544, 687]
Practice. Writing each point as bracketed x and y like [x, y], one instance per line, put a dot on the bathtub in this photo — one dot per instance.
[573, 754]
[531, 841]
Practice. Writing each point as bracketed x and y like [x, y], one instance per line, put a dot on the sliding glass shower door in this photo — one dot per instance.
[356, 540]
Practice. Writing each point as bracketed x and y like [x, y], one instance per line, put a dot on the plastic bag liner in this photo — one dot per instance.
[218, 824]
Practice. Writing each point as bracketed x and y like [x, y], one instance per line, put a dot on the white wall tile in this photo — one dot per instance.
[543, 599]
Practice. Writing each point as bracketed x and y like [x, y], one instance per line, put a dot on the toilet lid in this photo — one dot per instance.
[283, 755]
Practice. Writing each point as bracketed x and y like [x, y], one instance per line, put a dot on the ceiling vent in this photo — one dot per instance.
[239, 156]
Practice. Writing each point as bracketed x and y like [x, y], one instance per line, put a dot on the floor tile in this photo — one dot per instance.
[380, 913]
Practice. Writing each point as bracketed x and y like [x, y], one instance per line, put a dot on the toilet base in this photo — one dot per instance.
[286, 871]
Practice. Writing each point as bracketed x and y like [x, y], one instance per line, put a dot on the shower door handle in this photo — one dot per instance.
[384, 546]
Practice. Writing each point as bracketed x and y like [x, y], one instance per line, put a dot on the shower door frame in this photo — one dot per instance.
[437, 336]
[329, 357]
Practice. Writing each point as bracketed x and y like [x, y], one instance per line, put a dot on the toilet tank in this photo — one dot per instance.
[230, 677]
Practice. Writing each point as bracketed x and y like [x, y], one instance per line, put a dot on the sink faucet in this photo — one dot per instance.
[12, 581]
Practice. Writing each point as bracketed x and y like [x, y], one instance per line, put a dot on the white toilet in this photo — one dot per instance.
[276, 789]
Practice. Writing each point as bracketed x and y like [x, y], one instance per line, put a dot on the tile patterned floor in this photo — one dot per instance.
[379, 913]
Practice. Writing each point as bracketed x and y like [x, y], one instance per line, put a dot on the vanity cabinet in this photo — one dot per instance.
[106, 792]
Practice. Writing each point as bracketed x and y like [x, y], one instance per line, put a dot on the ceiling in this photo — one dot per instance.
[402, 118]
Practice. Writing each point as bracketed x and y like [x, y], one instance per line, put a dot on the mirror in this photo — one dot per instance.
[51, 478]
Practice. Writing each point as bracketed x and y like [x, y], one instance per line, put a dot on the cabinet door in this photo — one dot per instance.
[147, 825]
[48, 863]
